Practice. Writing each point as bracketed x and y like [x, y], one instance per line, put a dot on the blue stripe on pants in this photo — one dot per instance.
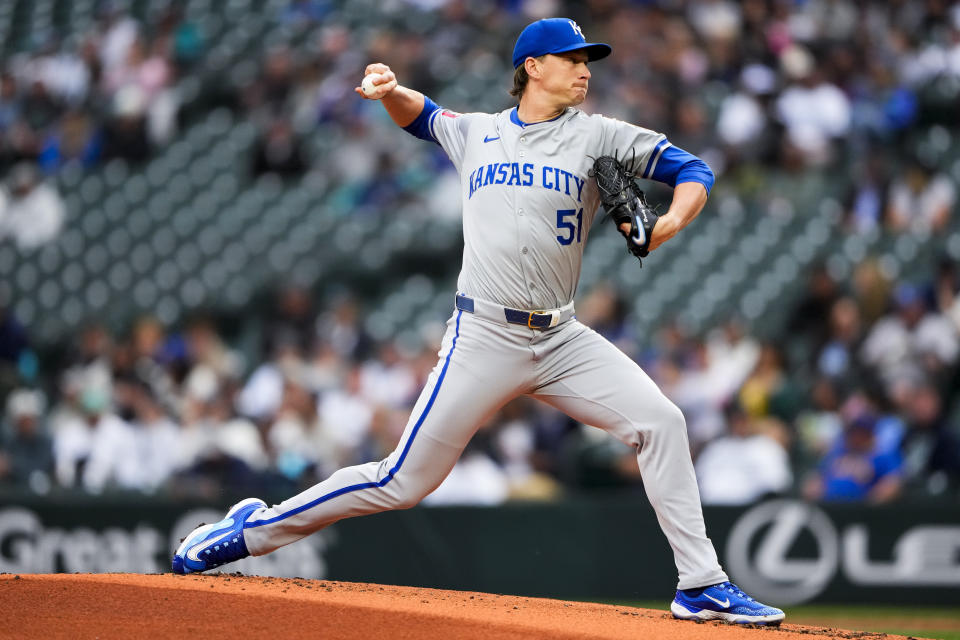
[396, 467]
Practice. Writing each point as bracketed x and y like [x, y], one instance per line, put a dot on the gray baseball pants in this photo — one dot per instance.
[484, 363]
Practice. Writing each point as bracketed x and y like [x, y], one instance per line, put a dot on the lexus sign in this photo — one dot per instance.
[788, 552]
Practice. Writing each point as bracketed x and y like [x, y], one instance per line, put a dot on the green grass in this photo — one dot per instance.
[942, 623]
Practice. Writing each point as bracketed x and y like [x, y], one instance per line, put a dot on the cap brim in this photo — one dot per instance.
[595, 50]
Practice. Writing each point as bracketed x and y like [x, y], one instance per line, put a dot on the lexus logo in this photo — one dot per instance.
[759, 545]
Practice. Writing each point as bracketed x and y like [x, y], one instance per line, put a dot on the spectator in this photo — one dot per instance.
[221, 450]
[837, 359]
[125, 132]
[261, 396]
[743, 122]
[867, 201]
[31, 212]
[814, 112]
[292, 314]
[205, 351]
[605, 310]
[768, 391]
[346, 417]
[26, 452]
[746, 465]
[716, 19]
[821, 425]
[733, 354]
[911, 343]
[214, 433]
[63, 73]
[157, 79]
[117, 33]
[9, 101]
[278, 151]
[855, 471]
[921, 199]
[810, 318]
[187, 38]
[14, 346]
[387, 379]
[946, 286]
[90, 359]
[157, 441]
[19, 143]
[689, 384]
[295, 439]
[73, 140]
[39, 108]
[883, 107]
[96, 449]
[300, 12]
[268, 95]
[147, 72]
[341, 329]
[931, 449]
[871, 289]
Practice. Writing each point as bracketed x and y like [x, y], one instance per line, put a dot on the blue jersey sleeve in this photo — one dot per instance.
[672, 165]
[420, 127]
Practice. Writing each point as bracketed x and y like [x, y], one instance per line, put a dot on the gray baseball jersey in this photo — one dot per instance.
[528, 204]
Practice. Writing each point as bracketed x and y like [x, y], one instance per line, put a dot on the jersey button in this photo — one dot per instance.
[521, 154]
[520, 211]
[523, 139]
[524, 250]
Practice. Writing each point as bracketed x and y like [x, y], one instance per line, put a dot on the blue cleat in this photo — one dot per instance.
[211, 545]
[724, 601]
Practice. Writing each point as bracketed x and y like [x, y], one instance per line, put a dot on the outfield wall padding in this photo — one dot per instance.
[783, 551]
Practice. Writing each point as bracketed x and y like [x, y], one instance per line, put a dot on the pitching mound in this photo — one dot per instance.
[131, 605]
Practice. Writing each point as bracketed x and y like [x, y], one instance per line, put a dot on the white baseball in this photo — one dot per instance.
[368, 85]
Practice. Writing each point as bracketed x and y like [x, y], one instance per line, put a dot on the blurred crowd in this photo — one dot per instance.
[83, 99]
[857, 400]
[182, 411]
[761, 83]
[86, 98]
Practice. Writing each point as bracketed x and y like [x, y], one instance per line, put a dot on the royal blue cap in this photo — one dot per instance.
[555, 35]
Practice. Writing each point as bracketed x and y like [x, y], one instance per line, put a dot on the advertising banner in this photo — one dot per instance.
[782, 551]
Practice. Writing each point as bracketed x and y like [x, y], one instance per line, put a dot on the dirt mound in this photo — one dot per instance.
[132, 605]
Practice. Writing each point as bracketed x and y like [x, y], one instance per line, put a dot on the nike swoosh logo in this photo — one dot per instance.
[194, 553]
[723, 603]
[489, 139]
[641, 236]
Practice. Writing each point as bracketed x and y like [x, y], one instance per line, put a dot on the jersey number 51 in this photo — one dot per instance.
[567, 227]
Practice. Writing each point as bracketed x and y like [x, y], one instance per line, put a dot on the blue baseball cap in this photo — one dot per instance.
[555, 35]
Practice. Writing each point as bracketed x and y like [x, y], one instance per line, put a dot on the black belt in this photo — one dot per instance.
[540, 319]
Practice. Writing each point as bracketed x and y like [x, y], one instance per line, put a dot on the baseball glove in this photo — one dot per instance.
[624, 201]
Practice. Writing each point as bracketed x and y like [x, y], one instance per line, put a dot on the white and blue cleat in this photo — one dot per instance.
[726, 602]
[211, 545]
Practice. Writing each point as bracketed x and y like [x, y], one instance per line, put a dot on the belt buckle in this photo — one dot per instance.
[554, 318]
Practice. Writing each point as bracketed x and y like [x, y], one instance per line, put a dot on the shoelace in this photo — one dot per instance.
[735, 590]
[225, 551]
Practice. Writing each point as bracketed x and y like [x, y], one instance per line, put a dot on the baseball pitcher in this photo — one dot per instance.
[532, 180]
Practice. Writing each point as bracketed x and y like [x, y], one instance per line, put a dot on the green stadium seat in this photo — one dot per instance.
[135, 189]
[49, 295]
[118, 243]
[120, 277]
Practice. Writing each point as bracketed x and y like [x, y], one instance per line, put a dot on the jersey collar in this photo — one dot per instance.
[515, 119]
